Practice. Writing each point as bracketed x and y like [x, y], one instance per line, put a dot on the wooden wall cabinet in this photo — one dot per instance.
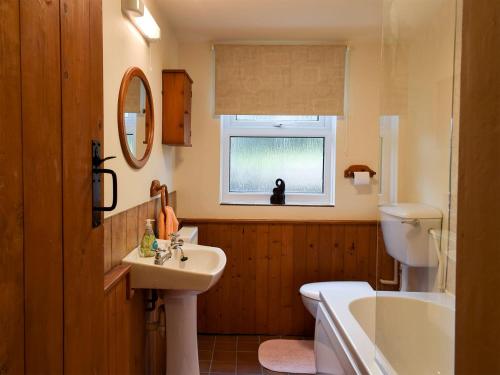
[176, 118]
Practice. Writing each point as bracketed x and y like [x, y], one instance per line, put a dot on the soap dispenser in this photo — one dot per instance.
[148, 243]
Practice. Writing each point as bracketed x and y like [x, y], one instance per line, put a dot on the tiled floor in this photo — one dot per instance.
[225, 354]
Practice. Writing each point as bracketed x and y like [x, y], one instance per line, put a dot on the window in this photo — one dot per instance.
[257, 150]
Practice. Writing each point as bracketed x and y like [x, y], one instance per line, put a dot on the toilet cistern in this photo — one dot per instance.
[406, 229]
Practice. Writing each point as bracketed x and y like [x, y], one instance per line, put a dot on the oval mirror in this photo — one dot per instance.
[135, 117]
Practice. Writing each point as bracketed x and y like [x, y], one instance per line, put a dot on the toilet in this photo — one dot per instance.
[406, 228]
[310, 293]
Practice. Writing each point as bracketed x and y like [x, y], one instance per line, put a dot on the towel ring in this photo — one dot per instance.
[155, 189]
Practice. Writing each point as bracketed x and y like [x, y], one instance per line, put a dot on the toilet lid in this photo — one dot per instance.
[312, 290]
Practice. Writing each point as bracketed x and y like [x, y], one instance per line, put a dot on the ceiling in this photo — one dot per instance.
[273, 20]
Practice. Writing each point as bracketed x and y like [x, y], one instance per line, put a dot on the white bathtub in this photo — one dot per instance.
[384, 333]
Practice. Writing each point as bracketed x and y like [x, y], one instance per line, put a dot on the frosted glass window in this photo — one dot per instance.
[256, 163]
[257, 150]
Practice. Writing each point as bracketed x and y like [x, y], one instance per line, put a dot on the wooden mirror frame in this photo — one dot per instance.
[127, 78]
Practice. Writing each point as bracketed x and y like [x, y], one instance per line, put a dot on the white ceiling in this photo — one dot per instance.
[282, 20]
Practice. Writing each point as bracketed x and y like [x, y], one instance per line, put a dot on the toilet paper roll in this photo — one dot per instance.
[361, 178]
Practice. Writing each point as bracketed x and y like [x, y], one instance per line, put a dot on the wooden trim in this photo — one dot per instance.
[127, 77]
[478, 277]
[112, 277]
[189, 221]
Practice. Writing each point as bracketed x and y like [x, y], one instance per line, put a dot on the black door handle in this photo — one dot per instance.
[96, 184]
[99, 171]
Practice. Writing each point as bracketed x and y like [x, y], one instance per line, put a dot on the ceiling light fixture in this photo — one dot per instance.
[142, 19]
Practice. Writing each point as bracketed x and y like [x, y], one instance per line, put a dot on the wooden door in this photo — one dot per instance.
[11, 194]
[51, 298]
[478, 249]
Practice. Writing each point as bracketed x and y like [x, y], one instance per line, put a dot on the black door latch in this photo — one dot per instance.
[97, 172]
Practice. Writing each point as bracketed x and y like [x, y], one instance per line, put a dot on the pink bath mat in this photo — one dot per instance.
[292, 356]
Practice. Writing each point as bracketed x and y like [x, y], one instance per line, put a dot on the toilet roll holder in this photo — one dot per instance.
[349, 172]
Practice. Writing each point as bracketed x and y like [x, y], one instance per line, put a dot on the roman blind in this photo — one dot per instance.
[279, 79]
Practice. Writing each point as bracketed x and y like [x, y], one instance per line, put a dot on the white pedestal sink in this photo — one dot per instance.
[179, 284]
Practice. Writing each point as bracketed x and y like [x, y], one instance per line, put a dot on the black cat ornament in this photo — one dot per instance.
[278, 196]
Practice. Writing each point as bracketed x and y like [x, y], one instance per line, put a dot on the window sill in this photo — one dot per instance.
[294, 204]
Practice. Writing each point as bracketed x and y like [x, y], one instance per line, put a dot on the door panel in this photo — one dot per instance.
[42, 168]
[81, 46]
[11, 194]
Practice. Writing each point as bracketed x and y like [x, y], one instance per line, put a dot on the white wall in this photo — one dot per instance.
[125, 47]
[425, 133]
[196, 170]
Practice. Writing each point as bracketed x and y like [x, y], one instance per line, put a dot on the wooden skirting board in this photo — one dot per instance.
[268, 261]
[114, 276]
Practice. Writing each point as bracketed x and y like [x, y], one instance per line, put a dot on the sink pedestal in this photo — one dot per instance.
[182, 335]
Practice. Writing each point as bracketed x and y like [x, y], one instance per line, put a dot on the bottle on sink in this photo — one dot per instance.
[148, 242]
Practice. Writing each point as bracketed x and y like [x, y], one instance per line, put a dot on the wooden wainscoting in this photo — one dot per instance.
[125, 334]
[268, 261]
[130, 348]
[123, 231]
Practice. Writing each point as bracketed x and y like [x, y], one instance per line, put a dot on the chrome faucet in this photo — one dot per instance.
[174, 238]
[176, 244]
[159, 258]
